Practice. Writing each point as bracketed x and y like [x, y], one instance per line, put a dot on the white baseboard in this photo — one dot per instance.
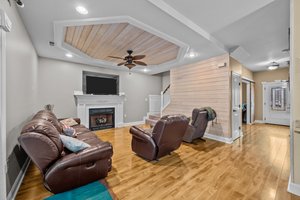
[133, 123]
[218, 138]
[15, 188]
[259, 122]
[293, 188]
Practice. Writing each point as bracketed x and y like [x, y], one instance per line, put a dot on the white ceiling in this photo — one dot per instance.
[208, 27]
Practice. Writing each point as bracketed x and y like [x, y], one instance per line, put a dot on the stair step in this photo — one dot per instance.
[150, 122]
[154, 117]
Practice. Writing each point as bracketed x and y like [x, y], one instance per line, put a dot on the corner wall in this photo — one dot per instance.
[57, 81]
[199, 85]
[21, 83]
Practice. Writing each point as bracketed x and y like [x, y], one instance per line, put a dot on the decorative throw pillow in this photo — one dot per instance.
[69, 131]
[69, 122]
[73, 144]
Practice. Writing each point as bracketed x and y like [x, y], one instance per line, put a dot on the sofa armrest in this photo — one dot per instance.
[75, 118]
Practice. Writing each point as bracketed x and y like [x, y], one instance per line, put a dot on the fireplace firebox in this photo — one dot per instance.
[101, 118]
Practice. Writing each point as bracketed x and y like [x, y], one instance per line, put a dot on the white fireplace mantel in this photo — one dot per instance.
[85, 102]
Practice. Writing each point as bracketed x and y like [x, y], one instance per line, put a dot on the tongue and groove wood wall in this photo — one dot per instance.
[203, 84]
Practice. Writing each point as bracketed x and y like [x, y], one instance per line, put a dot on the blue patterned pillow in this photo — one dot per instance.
[73, 144]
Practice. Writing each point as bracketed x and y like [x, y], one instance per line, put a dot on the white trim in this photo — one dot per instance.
[59, 34]
[15, 188]
[293, 187]
[218, 138]
[187, 22]
[5, 26]
[259, 122]
[292, 78]
[133, 123]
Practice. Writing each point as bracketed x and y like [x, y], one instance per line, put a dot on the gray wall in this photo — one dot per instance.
[21, 82]
[57, 81]
[165, 80]
[21, 77]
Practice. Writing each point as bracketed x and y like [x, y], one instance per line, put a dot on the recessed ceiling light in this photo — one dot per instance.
[192, 54]
[146, 70]
[69, 55]
[82, 10]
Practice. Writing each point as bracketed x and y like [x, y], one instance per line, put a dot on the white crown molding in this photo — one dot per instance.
[59, 33]
[187, 22]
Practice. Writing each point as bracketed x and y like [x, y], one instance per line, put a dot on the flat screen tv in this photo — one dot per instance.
[101, 85]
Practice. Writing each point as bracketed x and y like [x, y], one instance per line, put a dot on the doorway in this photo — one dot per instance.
[276, 103]
[247, 101]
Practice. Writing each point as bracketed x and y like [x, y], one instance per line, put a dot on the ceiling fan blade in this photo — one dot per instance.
[138, 57]
[115, 57]
[122, 63]
[140, 63]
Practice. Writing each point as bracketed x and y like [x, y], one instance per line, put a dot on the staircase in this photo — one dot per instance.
[157, 103]
[152, 119]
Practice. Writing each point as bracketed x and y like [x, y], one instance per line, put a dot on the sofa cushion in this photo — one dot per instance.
[80, 129]
[73, 144]
[46, 128]
[50, 117]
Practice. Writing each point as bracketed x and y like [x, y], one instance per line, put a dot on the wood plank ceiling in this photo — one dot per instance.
[102, 40]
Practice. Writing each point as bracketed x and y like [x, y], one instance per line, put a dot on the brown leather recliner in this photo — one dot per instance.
[197, 127]
[63, 170]
[165, 137]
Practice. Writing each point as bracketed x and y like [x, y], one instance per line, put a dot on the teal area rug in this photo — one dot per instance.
[92, 191]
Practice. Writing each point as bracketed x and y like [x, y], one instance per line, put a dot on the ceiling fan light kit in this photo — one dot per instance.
[273, 66]
[130, 61]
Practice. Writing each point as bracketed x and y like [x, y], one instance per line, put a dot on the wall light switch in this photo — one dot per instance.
[146, 99]
[125, 115]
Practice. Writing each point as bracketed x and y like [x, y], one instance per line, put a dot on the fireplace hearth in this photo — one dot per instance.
[101, 118]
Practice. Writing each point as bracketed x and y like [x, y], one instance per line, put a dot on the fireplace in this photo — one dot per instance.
[101, 118]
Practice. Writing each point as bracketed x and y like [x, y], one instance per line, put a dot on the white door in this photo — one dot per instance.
[276, 100]
[236, 106]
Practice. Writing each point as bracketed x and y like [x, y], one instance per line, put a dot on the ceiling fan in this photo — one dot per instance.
[131, 61]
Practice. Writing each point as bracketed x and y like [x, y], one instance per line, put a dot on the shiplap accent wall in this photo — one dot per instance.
[203, 84]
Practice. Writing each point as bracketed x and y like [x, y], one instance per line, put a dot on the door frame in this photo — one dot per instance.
[5, 26]
[240, 110]
[248, 97]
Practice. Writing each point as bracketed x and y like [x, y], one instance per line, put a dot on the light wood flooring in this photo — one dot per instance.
[253, 167]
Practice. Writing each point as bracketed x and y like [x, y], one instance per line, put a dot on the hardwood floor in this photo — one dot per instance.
[253, 167]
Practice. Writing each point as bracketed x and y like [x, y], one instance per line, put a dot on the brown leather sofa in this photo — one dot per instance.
[63, 170]
[197, 127]
[165, 137]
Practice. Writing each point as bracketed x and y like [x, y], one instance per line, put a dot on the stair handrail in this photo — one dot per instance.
[168, 87]
[162, 98]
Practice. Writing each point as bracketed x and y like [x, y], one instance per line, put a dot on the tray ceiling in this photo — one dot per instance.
[102, 40]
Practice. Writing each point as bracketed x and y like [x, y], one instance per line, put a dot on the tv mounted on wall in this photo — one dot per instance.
[100, 84]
